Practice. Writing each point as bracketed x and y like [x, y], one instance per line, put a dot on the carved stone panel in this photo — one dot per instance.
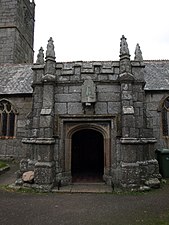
[88, 91]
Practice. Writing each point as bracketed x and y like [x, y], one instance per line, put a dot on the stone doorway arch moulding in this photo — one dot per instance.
[102, 126]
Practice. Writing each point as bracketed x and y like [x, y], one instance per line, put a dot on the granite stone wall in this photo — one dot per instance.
[119, 100]
[154, 102]
[16, 31]
[13, 147]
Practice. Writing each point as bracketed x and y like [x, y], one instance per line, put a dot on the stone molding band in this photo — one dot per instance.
[43, 141]
[137, 140]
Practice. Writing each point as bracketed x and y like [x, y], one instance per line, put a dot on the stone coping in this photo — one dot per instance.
[44, 141]
[137, 140]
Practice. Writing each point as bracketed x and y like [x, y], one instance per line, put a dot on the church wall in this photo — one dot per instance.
[68, 100]
[13, 147]
[154, 101]
[70, 79]
[66, 106]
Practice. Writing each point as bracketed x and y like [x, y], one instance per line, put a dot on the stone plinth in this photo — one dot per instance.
[44, 173]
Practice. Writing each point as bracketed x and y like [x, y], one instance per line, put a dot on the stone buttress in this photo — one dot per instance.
[40, 144]
[137, 162]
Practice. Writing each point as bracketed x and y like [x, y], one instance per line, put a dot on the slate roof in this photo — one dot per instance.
[17, 79]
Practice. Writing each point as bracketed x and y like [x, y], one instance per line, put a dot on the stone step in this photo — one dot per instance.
[84, 188]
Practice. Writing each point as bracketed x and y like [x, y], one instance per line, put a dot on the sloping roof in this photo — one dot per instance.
[157, 75]
[16, 79]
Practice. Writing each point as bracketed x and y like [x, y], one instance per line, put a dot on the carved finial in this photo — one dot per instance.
[138, 54]
[33, 2]
[50, 49]
[124, 47]
[40, 57]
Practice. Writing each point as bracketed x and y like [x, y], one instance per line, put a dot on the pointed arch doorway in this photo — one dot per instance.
[87, 156]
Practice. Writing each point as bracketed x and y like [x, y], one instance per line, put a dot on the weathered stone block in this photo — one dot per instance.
[93, 76]
[130, 175]
[64, 78]
[102, 77]
[48, 94]
[153, 183]
[129, 153]
[108, 97]
[24, 165]
[114, 107]
[127, 95]
[45, 153]
[113, 77]
[128, 110]
[77, 70]
[61, 108]
[73, 97]
[44, 173]
[46, 121]
[75, 108]
[46, 111]
[101, 108]
[128, 121]
[59, 90]
[75, 89]
[139, 121]
[108, 88]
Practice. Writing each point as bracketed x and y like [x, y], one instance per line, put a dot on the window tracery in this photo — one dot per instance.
[7, 119]
[165, 117]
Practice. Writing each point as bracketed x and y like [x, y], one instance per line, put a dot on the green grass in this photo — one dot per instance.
[3, 164]
[163, 220]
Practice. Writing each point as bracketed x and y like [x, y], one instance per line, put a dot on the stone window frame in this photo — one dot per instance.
[8, 118]
[165, 116]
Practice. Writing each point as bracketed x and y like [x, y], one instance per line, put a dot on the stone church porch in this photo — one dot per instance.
[88, 119]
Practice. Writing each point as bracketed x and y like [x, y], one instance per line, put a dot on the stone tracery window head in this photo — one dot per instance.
[165, 117]
[7, 119]
[166, 103]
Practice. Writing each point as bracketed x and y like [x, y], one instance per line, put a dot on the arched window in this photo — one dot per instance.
[165, 117]
[7, 119]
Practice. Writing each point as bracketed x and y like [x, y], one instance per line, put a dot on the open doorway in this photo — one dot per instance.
[87, 162]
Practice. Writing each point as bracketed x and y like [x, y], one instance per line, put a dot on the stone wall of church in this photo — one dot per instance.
[70, 80]
[105, 96]
[154, 102]
[13, 147]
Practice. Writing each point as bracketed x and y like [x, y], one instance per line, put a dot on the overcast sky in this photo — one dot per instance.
[91, 29]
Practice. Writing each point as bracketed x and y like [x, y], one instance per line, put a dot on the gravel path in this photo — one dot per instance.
[83, 209]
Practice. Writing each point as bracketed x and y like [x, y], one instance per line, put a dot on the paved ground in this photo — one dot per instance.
[9, 176]
[82, 209]
[84, 188]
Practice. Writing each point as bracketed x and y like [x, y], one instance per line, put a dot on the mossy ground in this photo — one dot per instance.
[3, 164]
